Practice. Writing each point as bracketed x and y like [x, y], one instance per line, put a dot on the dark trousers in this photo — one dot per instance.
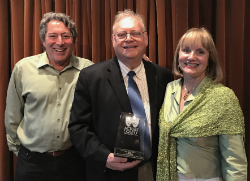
[33, 166]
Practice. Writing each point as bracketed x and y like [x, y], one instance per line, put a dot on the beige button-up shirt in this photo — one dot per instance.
[38, 105]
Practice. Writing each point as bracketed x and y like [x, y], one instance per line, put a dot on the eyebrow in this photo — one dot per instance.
[129, 30]
[61, 33]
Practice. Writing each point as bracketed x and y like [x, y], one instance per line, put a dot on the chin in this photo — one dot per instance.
[130, 54]
[129, 57]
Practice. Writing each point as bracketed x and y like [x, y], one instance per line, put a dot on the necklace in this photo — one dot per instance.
[187, 93]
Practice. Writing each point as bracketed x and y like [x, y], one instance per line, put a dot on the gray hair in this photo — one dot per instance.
[68, 22]
[129, 13]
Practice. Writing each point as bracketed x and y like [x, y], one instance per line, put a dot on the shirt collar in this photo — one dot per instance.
[44, 61]
[138, 70]
[197, 90]
[194, 93]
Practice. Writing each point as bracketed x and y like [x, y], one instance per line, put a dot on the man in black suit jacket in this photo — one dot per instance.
[101, 96]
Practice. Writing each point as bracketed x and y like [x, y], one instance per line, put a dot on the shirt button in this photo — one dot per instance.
[58, 136]
[58, 104]
[60, 88]
[58, 120]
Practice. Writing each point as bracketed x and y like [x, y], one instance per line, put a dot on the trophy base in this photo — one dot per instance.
[137, 155]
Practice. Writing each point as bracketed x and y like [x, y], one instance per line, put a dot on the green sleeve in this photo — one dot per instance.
[234, 162]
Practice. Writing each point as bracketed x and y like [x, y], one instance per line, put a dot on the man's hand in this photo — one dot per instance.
[119, 163]
[146, 58]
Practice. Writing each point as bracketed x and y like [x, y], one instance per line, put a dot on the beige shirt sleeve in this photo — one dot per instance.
[14, 110]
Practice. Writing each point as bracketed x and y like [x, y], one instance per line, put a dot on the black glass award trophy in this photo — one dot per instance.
[128, 138]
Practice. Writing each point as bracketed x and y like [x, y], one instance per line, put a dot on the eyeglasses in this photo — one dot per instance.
[136, 34]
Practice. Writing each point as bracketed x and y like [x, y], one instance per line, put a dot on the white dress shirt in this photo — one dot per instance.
[145, 172]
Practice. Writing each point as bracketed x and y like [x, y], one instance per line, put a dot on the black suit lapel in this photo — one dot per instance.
[117, 83]
[152, 92]
[115, 79]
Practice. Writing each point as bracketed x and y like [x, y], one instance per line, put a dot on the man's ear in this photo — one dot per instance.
[44, 44]
[112, 37]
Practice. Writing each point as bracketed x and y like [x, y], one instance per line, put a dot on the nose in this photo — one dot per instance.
[59, 41]
[191, 55]
[128, 37]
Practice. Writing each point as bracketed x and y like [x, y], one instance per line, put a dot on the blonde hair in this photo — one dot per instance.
[200, 35]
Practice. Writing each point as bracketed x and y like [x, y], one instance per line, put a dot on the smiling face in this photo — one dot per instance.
[193, 59]
[130, 49]
[58, 43]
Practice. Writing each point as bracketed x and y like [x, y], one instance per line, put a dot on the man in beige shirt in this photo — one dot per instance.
[39, 99]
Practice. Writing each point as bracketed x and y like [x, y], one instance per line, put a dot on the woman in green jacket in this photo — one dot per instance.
[201, 122]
